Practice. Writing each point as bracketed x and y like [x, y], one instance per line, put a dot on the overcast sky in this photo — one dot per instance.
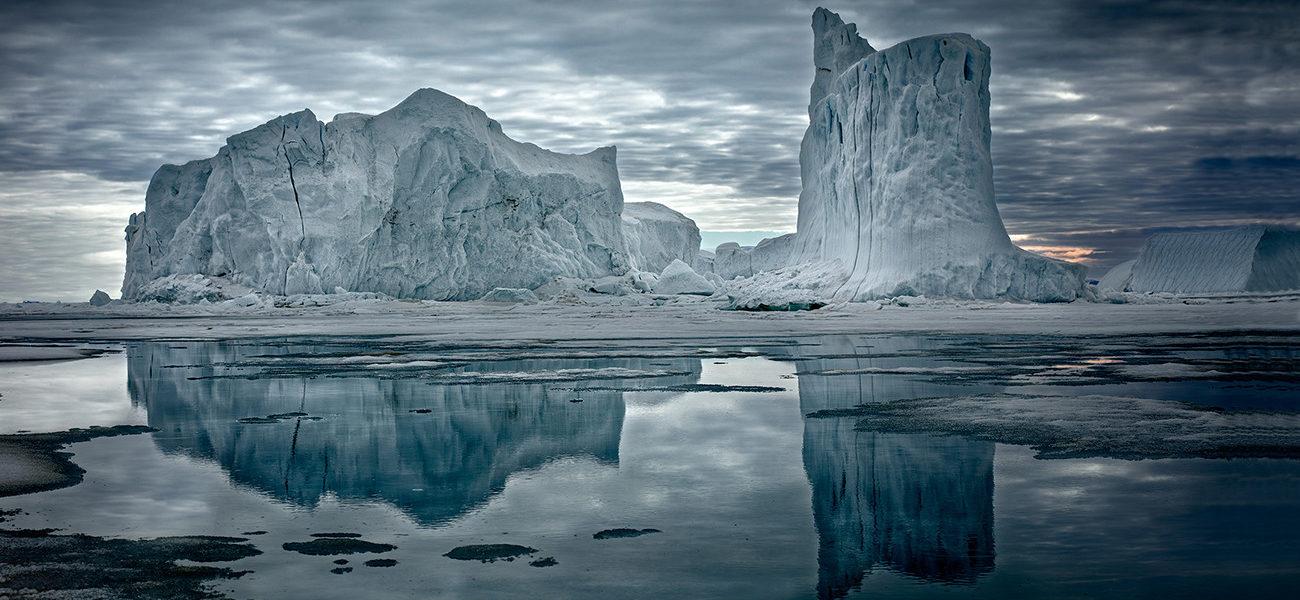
[1110, 119]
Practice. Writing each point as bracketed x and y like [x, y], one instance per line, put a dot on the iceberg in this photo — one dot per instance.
[898, 177]
[731, 260]
[427, 200]
[100, 298]
[1245, 259]
[657, 235]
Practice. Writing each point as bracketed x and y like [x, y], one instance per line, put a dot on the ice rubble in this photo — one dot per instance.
[429, 199]
[656, 235]
[1246, 259]
[898, 179]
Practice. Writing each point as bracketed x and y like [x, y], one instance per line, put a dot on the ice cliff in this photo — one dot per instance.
[429, 199]
[898, 179]
[1245, 259]
[657, 235]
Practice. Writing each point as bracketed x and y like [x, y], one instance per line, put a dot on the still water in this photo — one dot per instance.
[428, 448]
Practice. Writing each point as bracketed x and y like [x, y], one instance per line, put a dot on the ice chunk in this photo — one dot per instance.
[679, 278]
[429, 199]
[510, 296]
[100, 298]
[656, 235]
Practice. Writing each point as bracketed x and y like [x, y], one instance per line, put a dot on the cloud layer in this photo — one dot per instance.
[1110, 118]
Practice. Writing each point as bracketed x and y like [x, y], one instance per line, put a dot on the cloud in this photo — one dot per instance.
[1107, 115]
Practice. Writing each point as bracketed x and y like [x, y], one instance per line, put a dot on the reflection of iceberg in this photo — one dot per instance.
[917, 504]
[433, 466]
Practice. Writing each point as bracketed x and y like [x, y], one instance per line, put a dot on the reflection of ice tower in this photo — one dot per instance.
[917, 504]
[433, 466]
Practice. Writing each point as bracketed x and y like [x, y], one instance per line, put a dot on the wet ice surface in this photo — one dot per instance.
[751, 499]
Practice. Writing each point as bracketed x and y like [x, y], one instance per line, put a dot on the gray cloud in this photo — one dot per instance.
[1108, 115]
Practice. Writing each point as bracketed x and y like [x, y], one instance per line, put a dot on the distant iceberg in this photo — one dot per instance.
[1246, 259]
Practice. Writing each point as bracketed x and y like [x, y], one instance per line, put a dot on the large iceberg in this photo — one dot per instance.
[898, 179]
[1246, 259]
[657, 235]
[429, 199]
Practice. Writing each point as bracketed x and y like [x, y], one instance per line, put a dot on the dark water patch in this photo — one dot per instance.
[258, 420]
[381, 562]
[336, 535]
[341, 570]
[549, 561]
[83, 566]
[622, 532]
[36, 462]
[1087, 426]
[335, 546]
[259, 532]
[341, 561]
[489, 552]
[421, 411]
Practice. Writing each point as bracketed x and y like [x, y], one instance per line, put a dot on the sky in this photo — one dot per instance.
[1111, 119]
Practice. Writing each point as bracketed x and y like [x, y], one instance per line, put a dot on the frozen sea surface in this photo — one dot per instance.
[831, 473]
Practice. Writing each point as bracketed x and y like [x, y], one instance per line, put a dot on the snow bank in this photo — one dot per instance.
[656, 235]
[429, 199]
[1246, 259]
[898, 179]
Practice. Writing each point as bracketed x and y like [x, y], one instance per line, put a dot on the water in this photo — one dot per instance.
[545, 445]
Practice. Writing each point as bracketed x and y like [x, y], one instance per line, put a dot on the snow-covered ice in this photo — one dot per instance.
[429, 199]
[1246, 259]
[656, 235]
[679, 278]
[510, 296]
[731, 260]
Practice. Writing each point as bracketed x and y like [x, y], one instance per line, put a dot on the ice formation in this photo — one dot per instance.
[100, 298]
[657, 235]
[1245, 259]
[679, 278]
[898, 179]
[731, 260]
[429, 199]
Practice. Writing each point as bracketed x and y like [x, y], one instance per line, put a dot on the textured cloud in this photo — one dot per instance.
[1108, 116]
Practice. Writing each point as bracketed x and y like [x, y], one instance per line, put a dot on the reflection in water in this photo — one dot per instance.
[368, 444]
[917, 504]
